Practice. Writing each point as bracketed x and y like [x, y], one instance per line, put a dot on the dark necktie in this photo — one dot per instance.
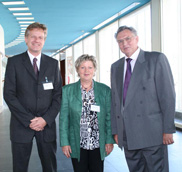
[127, 78]
[35, 66]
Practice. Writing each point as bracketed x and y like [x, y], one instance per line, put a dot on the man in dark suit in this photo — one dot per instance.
[143, 104]
[32, 91]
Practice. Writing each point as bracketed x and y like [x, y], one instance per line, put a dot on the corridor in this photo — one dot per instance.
[115, 162]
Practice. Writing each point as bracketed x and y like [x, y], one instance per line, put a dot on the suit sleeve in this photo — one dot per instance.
[113, 115]
[166, 93]
[10, 96]
[54, 108]
[64, 120]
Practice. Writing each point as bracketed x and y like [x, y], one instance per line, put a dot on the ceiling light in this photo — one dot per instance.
[15, 42]
[63, 48]
[116, 15]
[20, 39]
[128, 8]
[22, 14]
[18, 9]
[22, 22]
[25, 18]
[80, 37]
[13, 3]
[24, 25]
[23, 28]
[58, 51]
[105, 22]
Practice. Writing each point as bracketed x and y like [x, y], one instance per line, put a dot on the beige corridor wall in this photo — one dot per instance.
[1, 57]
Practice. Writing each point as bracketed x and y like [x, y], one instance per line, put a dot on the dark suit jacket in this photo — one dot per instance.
[150, 101]
[26, 98]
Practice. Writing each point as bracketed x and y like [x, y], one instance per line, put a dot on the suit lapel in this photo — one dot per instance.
[77, 92]
[43, 66]
[136, 77]
[28, 65]
[96, 93]
[98, 98]
[120, 79]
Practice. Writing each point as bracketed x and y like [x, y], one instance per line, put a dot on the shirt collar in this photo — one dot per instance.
[32, 57]
[134, 55]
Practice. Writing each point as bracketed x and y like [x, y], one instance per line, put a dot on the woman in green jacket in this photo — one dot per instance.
[85, 127]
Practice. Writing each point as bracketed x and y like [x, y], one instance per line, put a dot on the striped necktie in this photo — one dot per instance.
[35, 66]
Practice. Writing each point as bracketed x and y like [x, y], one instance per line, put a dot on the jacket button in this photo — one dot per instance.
[118, 117]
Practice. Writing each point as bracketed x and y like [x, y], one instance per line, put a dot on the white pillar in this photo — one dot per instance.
[1, 57]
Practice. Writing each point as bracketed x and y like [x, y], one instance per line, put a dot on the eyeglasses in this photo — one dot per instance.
[127, 39]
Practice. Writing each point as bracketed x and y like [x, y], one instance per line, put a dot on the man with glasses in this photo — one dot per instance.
[143, 104]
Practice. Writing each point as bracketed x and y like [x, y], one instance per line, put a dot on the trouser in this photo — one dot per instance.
[46, 150]
[151, 159]
[90, 160]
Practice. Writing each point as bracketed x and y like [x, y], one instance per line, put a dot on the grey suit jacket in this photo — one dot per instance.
[150, 102]
[26, 98]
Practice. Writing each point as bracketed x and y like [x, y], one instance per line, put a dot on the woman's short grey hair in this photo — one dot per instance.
[85, 57]
[122, 28]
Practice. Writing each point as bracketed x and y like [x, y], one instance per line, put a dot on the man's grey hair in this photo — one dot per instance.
[83, 58]
[122, 28]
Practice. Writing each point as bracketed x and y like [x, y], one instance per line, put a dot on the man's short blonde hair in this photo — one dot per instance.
[36, 25]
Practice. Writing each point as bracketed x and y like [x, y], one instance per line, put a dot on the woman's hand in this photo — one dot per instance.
[116, 138]
[66, 150]
[109, 148]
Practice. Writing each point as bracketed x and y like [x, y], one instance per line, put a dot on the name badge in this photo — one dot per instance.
[95, 108]
[48, 86]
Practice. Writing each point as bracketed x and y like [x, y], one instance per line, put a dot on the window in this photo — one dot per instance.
[108, 51]
[78, 51]
[89, 45]
[141, 21]
[172, 42]
[69, 66]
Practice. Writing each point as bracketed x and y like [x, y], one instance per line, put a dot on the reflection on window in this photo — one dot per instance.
[108, 51]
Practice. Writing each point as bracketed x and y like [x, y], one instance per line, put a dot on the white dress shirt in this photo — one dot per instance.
[134, 59]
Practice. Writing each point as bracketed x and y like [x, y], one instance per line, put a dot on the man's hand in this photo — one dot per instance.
[37, 124]
[168, 139]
